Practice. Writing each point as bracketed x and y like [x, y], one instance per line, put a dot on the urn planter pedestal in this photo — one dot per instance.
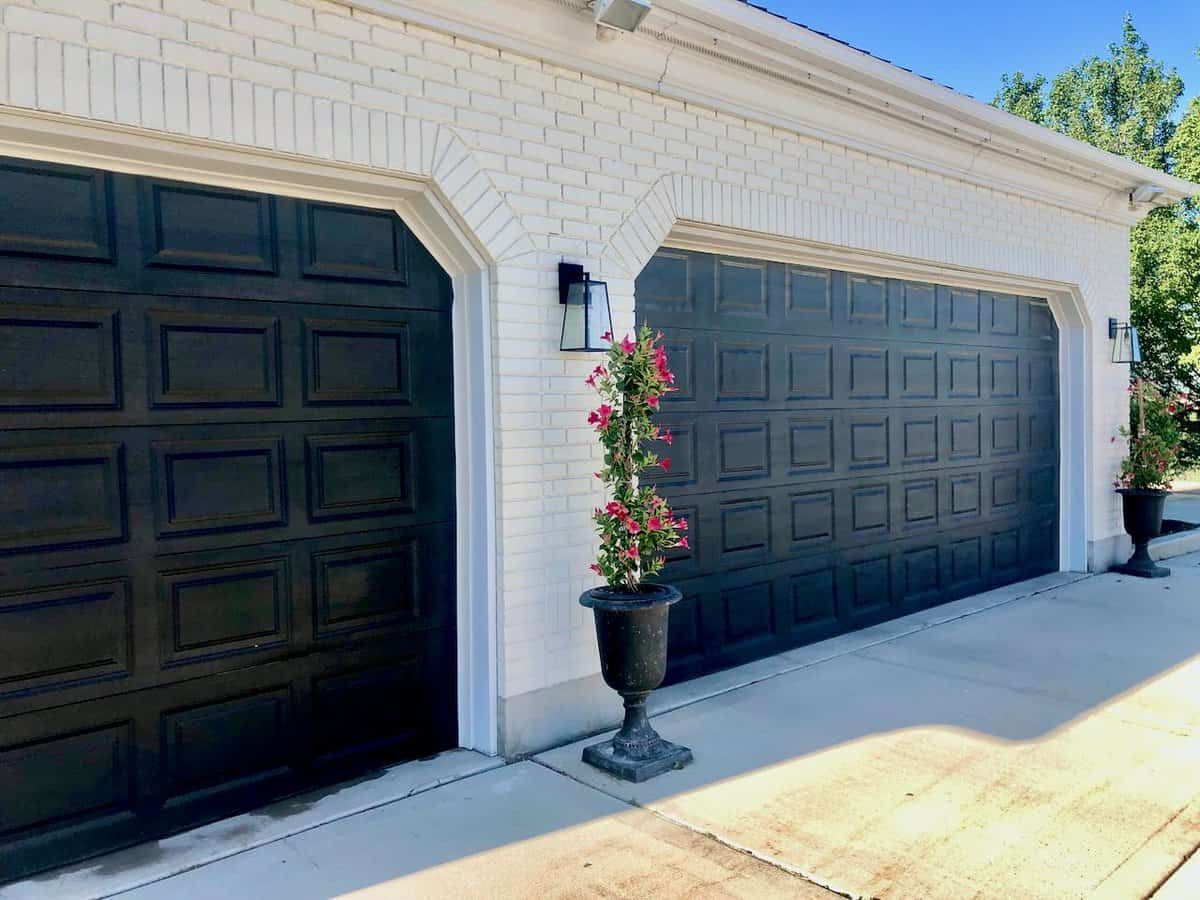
[631, 631]
[1143, 514]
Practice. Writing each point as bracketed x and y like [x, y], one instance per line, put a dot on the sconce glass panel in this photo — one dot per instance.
[586, 318]
[1125, 347]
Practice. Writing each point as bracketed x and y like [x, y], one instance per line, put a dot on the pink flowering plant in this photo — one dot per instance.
[637, 526]
[1154, 437]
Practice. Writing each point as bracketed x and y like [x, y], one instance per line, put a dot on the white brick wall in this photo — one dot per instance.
[542, 163]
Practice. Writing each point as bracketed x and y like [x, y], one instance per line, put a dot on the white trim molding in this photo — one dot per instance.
[781, 74]
[426, 208]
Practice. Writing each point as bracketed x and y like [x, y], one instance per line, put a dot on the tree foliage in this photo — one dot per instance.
[1124, 102]
[1021, 96]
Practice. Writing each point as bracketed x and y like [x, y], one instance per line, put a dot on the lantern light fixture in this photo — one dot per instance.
[587, 319]
[1126, 348]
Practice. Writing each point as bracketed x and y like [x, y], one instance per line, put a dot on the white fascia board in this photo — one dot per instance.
[931, 102]
[728, 56]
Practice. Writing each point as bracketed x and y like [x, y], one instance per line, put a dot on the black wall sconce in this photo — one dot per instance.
[1125, 347]
[587, 317]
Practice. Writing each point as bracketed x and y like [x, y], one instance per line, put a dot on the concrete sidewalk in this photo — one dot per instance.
[1042, 741]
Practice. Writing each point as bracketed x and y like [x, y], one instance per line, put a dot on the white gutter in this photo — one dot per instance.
[937, 102]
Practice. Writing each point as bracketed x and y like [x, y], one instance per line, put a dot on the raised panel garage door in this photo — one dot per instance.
[226, 504]
[848, 448]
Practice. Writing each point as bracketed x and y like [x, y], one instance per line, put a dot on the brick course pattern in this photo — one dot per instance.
[541, 163]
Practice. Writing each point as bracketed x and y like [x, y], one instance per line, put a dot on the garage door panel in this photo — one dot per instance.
[58, 358]
[200, 487]
[732, 451]
[81, 779]
[204, 486]
[119, 769]
[110, 240]
[55, 496]
[745, 527]
[372, 589]
[817, 594]
[683, 289]
[215, 612]
[848, 447]
[54, 211]
[191, 615]
[732, 371]
[227, 745]
[88, 359]
[227, 470]
[202, 227]
[64, 634]
[200, 360]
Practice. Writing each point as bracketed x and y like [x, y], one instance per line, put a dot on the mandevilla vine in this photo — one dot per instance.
[637, 526]
[1154, 437]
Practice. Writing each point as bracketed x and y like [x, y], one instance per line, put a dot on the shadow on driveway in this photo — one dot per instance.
[1046, 747]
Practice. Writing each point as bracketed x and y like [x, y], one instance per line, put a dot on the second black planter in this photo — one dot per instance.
[631, 631]
[1143, 514]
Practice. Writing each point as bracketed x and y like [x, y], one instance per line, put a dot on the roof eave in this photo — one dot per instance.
[783, 41]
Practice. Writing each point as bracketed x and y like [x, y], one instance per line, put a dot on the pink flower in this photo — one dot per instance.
[607, 336]
[600, 417]
[652, 402]
[683, 542]
[617, 510]
[666, 464]
[681, 524]
[595, 568]
[654, 523]
[666, 437]
[628, 346]
[632, 552]
[632, 526]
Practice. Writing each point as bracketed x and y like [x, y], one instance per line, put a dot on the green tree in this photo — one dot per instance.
[1021, 96]
[1183, 150]
[1124, 102]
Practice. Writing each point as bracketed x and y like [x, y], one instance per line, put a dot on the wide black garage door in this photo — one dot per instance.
[847, 448]
[226, 504]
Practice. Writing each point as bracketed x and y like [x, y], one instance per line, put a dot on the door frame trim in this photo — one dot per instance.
[430, 216]
[1066, 303]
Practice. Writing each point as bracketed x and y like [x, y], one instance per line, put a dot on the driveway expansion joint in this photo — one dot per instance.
[709, 835]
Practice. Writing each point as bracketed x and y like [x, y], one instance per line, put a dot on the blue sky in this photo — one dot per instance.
[967, 45]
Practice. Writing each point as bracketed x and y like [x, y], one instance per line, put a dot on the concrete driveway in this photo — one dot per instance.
[1042, 741]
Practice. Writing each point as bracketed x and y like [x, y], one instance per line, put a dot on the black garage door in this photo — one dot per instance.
[226, 504]
[848, 448]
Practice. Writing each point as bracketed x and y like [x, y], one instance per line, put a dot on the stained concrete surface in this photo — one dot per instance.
[517, 832]
[153, 860]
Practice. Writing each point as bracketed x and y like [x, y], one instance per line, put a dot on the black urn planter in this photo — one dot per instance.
[631, 631]
[1143, 513]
